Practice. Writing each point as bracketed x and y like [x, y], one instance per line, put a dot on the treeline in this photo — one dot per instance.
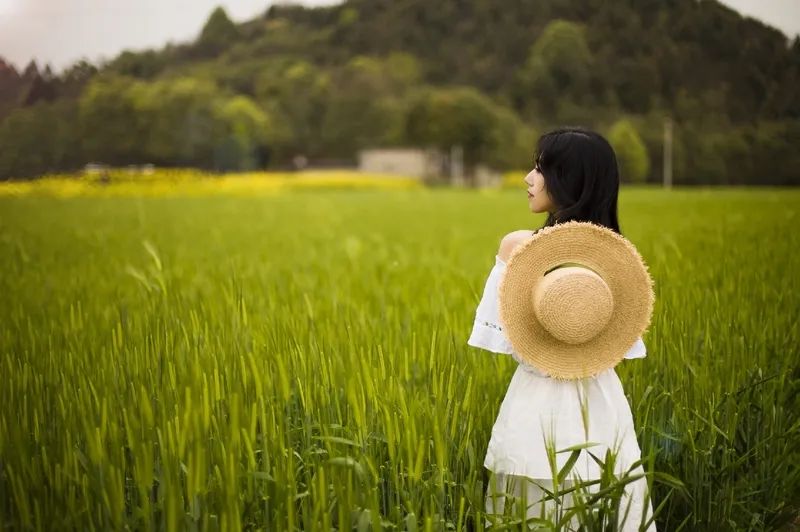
[326, 82]
[297, 109]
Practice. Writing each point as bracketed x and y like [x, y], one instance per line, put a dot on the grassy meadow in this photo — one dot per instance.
[298, 361]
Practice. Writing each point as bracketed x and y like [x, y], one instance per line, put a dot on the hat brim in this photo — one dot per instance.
[611, 256]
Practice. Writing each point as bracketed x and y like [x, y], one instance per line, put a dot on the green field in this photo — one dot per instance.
[298, 361]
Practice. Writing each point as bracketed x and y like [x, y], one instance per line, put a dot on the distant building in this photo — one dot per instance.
[96, 168]
[410, 162]
[103, 169]
[426, 164]
[483, 176]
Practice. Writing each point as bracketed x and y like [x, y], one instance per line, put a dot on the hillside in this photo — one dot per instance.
[327, 81]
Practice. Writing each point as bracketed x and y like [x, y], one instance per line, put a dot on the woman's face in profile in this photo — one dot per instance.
[538, 199]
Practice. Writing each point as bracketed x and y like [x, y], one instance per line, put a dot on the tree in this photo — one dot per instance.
[40, 139]
[40, 89]
[31, 71]
[218, 33]
[487, 132]
[513, 142]
[245, 132]
[75, 78]
[10, 87]
[634, 163]
[144, 65]
[452, 117]
[112, 128]
[558, 67]
[295, 94]
[181, 119]
[365, 105]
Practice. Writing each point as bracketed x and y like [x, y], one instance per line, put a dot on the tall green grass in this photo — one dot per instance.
[299, 361]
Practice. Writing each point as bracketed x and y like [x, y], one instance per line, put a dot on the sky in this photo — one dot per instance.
[60, 32]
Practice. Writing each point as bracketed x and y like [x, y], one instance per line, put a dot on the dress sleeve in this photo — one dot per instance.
[487, 331]
[638, 350]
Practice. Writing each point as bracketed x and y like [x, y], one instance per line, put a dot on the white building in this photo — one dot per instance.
[425, 164]
[409, 162]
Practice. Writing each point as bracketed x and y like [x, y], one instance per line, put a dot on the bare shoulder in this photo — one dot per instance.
[512, 240]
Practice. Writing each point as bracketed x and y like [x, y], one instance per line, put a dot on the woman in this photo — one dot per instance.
[575, 178]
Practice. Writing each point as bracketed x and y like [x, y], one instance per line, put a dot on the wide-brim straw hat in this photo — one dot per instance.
[574, 299]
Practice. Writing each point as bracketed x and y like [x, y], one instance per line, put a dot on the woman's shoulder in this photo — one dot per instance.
[511, 241]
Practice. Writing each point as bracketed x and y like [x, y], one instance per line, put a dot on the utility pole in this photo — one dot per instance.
[668, 152]
[457, 165]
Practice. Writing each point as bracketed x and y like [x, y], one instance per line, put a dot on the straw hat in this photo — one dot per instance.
[574, 298]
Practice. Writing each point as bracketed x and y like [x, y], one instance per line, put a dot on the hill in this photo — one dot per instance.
[327, 81]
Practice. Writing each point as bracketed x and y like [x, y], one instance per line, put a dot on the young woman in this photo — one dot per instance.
[575, 178]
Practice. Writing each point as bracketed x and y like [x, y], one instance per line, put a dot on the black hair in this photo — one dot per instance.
[581, 176]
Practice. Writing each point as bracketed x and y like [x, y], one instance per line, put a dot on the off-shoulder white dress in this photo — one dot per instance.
[537, 407]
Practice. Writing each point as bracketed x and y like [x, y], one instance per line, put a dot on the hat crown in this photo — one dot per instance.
[573, 303]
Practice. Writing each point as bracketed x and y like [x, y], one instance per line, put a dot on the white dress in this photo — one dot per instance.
[536, 407]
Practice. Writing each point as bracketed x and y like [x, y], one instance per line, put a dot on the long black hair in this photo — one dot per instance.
[581, 176]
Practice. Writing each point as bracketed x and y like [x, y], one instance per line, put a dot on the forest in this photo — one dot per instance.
[325, 82]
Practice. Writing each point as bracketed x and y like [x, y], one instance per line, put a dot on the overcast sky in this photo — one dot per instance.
[60, 32]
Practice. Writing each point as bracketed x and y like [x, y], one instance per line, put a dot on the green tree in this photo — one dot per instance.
[75, 78]
[364, 107]
[513, 142]
[181, 119]
[488, 132]
[112, 128]
[145, 64]
[294, 93]
[558, 68]
[245, 132]
[453, 117]
[40, 139]
[632, 157]
[218, 33]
